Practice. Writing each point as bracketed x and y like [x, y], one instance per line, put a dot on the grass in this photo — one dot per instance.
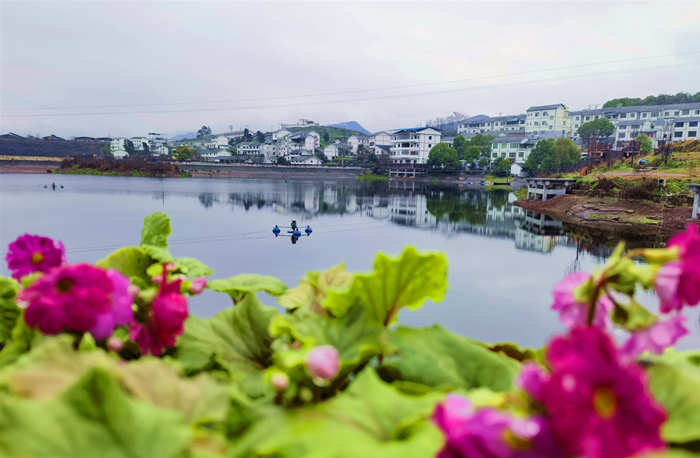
[496, 179]
[498, 187]
[521, 193]
[367, 176]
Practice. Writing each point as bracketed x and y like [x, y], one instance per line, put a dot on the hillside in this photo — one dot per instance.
[333, 132]
[187, 136]
[351, 125]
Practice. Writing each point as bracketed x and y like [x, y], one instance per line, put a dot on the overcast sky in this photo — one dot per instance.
[60, 54]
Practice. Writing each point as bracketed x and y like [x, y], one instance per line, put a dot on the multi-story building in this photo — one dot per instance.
[411, 146]
[377, 140]
[482, 124]
[248, 148]
[118, 148]
[517, 149]
[548, 118]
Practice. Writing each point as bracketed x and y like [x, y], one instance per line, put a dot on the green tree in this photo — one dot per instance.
[472, 153]
[260, 137]
[205, 131]
[326, 136]
[646, 145]
[106, 151]
[247, 136]
[184, 153]
[501, 168]
[442, 156]
[460, 144]
[129, 147]
[483, 162]
[146, 149]
[552, 155]
[594, 131]
[483, 142]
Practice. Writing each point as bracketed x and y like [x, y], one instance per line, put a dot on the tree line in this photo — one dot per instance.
[661, 99]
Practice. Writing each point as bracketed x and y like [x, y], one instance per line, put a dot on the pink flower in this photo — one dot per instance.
[678, 283]
[280, 381]
[34, 253]
[572, 312]
[531, 379]
[121, 313]
[166, 320]
[489, 433]
[597, 400]
[323, 362]
[657, 337]
[198, 285]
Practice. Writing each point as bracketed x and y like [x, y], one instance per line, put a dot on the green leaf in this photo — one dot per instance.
[157, 253]
[193, 267]
[156, 230]
[239, 286]
[94, 417]
[404, 281]
[356, 339]
[676, 387]
[9, 312]
[131, 261]
[371, 418]
[438, 358]
[315, 287]
[632, 316]
[236, 338]
[21, 340]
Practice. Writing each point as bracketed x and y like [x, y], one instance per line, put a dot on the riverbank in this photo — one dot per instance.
[642, 217]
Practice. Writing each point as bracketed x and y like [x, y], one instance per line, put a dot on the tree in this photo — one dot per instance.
[106, 152]
[247, 136]
[282, 160]
[501, 168]
[646, 145]
[326, 137]
[460, 144]
[319, 154]
[260, 137]
[129, 147]
[552, 155]
[442, 156]
[184, 153]
[146, 149]
[205, 131]
[483, 162]
[483, 142]
[472, 153]
[592, 132]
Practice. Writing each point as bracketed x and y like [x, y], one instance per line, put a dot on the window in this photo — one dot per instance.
[521, 153]
[577, 118]
[494, 155]
[503, 145]
[677, 134]
[623, 115]
[513, 145]
[588, 118]
[511, 155]
[679, 124]
[495, 145]
[537, 114]
[676, 113]
[692, 133]
[537, 123]
[693, 124]
[655, 114]
[430, 137]
[596, 117]
[668, 113]
[544, 113]
[686, 112]
[430, 145]
[697, 112]
[621, 135]
[503, 154]
[645, 115]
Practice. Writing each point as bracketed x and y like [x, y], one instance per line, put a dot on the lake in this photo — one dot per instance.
[503, 261]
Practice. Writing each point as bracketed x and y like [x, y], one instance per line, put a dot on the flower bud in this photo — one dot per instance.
[280, 381]
[133, 290]
[198, 285]
[157, 279]
[115, 344]
[170, 267]
[323, 362]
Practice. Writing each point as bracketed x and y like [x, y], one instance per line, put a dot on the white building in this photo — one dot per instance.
[268, 149]
[482, 124]
[218, 142]
[517, 149]
[118, 149]
[378, 139]
[331, 151]
[305, 160]
[354, 142]
[411, 146]
[248, 148]
[140, 143]
[549, 118]
[214, 154]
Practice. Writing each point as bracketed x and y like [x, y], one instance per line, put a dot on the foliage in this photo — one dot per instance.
[592, 132]
[460, 144]
[646, 144]
[552, 155]
[106, 151]
[483, 142]
[472, 153]
[184, 153]
[442, 156]
[205, 131]
[483, 162]
[521, 193]
[368, 176]
[501, 168]
[661, 99]
[239, 383]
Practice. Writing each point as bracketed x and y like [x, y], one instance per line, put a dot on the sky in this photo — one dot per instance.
[170, 67]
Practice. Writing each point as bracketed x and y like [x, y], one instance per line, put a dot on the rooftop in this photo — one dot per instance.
[546, 107]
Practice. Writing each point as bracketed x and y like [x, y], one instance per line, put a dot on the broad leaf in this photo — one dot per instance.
[132, 262]
[370, 419]
[9, 312]
[356, 339]
[236, 338]
[404, 281]
[438, 358]
[156, 230]
[239, 286]
[94, 417]
[676, 388]
[157, 253]
[315, 287]
[193, 267]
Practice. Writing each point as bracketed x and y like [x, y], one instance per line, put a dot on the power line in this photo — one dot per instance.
[345, 92]
[386, 97]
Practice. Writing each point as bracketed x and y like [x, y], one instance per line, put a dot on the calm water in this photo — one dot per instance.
[503, 262]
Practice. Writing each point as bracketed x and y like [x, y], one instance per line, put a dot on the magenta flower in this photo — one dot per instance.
[121, 313]
[34, 253]
[598, 400]
[678, 283]
[323, 362]
[489, 433]
[531, 379]
[573, 313]
[657, 337]
[166, 320]
[198, 285]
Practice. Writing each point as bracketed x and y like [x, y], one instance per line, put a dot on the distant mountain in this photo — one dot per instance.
[351, 125]
[186, 136]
